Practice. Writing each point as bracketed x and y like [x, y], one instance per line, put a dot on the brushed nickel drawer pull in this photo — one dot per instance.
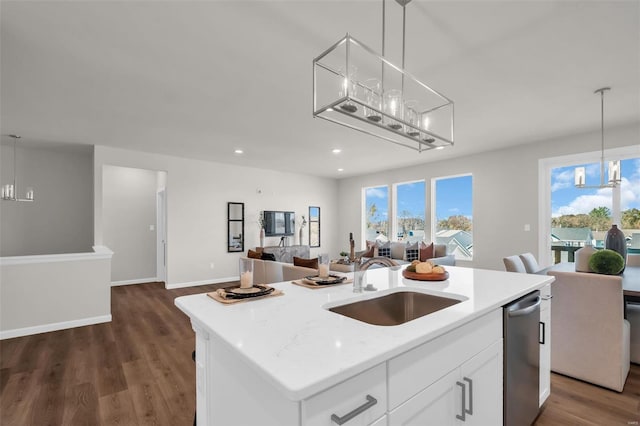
[371, 401]
[463, 415]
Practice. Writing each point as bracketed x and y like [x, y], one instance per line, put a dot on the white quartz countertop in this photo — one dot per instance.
[302, 348]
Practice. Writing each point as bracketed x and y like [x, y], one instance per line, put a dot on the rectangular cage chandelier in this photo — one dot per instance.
[356, 87]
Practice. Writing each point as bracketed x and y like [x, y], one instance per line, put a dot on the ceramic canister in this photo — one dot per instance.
[582, 258]
[616, 241]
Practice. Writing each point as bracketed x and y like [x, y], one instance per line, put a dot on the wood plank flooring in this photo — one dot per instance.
[137, 370]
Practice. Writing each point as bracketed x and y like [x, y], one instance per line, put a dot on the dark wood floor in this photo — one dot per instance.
[137, 370]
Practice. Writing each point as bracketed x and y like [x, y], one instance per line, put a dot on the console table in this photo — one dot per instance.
[285, 254]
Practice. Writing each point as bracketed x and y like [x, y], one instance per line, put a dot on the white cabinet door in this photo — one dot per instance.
[382, 421]
[469, 395]
[482, 380]
[435, 405]
[545, 344]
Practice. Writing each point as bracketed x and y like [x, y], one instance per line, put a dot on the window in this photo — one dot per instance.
[410, 211]
[581, 215]
[376, 213]
[453, 216]
[314, 226]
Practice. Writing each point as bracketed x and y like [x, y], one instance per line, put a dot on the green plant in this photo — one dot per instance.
[344, 253]
[606, 262]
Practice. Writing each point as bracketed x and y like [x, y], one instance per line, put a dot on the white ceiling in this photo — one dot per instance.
[201, 78]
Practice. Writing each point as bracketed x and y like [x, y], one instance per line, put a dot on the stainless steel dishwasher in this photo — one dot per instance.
[521, 360]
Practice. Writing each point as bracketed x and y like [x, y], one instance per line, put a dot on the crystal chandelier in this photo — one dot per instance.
[358, 88]
[10, 190]
[614, 172]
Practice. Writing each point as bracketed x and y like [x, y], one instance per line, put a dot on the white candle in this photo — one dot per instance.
[246, 279]
[323, 270]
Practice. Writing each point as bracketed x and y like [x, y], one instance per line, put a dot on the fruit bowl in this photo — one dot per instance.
[425, 277]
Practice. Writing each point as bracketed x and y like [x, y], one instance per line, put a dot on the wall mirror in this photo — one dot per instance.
[235, 227]
[314, 226]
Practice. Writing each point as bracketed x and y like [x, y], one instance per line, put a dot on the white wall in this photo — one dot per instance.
[128, 212]
[505, 191]
[60, 220]
[197, 196]
[53, 292]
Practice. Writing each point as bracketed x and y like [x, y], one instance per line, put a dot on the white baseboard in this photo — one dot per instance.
[203, 282]
[45, 328]
[138, 281]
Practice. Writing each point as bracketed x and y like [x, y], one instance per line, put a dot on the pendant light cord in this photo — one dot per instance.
[601, 91]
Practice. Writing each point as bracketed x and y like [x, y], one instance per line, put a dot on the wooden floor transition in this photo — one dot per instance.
[137, 370]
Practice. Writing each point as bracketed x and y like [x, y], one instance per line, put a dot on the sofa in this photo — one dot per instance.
[270, 271]
[589, 335]
[440, 256]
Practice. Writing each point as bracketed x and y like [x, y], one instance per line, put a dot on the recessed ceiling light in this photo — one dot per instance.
[337, 151]
[340, 170]
[440, 147]
[239, 151]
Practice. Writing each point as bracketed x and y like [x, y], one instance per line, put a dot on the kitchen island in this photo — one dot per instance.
[289, 360]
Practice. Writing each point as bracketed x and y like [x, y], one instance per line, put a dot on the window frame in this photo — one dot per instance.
[545, 166]
[434, 217]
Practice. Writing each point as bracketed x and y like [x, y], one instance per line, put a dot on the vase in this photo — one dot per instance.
[261, 237]
[616, 241]
[582, 258]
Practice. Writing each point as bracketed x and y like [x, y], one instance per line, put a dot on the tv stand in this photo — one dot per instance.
[285, 254]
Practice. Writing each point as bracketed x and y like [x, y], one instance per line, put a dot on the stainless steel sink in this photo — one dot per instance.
[395, 308]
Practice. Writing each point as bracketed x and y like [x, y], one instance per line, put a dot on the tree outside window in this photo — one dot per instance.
[376, 213]
[581, 215]
[410, 211]
[453, 215]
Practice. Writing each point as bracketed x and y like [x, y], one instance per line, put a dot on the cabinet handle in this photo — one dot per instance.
[544, 333]
[470, 410]
[371, 401]
[548, 297]
[462, 416]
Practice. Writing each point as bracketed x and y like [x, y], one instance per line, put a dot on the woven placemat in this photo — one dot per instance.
[218, 296]
[312, 285]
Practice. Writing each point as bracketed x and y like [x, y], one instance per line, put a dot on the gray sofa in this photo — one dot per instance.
[269, 271]
[439, 250]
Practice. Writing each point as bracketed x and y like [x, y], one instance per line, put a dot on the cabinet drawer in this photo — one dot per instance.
[416, 369]
[353, 395]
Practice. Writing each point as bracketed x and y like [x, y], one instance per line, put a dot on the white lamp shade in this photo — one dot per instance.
[614, 172]
[579, 176]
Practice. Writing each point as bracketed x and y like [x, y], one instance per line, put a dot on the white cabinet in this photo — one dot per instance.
[382, 421]
[471, 393]
[435, 405]
[545, 344]
[456, 375]
[482, 376]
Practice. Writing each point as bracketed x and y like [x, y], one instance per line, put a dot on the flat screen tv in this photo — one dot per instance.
[278, 223]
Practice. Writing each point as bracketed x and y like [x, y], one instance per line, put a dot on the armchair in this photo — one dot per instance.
[589, 337]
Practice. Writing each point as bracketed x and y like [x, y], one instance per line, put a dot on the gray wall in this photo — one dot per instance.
[506, 194]
[60, 220]
[129, 209]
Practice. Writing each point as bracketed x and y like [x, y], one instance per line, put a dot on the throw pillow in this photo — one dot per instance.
[384, 249]
[253, 254]
[307, 263]
[411, 252]
[268, 256]
[426, 252]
